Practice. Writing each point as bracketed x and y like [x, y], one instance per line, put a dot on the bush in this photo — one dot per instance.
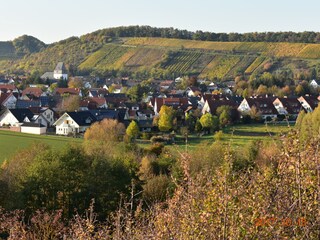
[218, 136]
[155, 148]
[156, 188]
[161, 139]
[145, 136]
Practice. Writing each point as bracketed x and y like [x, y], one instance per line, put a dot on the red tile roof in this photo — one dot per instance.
[98, 100]
[7, 87]
[72, 91]
[32, 91]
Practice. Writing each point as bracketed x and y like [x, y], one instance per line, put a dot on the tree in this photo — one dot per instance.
[108, 130]
[300, 119]
[75, 83]
[133, 130]
[255, 114]
[209, 122]
[68, 179]
[262, 90]
[218, 136]
[198, 126]
[70, 103]
[190, 121]
[299, 90]
[184, 131]
[53, 86]
[286, 90]
[193, 81]
[166, 117]
[225, 118]
[62, 83]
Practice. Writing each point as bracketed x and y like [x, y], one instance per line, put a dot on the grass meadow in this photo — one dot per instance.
[236, 136]
[12, 142]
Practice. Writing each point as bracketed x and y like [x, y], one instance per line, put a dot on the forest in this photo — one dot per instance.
[147, 31]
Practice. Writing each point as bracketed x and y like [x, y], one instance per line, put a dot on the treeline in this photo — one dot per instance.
[147, 31]
[28, 44]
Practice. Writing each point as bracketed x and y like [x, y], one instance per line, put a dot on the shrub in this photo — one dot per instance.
[145, 136]
[218, 136]
[160, 139]
[155, 148]
[155, 189]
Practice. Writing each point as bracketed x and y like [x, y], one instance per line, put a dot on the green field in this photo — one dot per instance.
[236, 136]
[11, 142]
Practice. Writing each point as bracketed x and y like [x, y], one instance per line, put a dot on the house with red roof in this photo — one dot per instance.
[32, 92]
[70, 91]
[93, 103]
[176, 103]
[8, 88]
[264, 106]
[211, 105]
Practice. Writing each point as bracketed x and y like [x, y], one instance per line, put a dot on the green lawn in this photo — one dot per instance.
[238, 135]
[11, 142]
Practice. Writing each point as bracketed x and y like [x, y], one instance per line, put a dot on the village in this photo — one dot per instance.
[38, 110]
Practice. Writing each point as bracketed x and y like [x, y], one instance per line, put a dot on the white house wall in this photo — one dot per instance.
[42, 121]
[206, 108]
[61, 123]
[34, 130]
[244, 106]
[8, 118]
[10, 102]
[49, 116]
[279, 106]
[59, 76]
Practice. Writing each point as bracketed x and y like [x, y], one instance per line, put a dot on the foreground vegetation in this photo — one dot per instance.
[112, 189]
[12, 142]
[240, 135]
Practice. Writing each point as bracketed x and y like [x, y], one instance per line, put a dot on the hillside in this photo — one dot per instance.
[20, 47]
[144, 57]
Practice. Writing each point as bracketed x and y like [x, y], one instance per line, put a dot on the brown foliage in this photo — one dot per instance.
[69, 103]
[101, 137]
[106, 130]
[271, 201]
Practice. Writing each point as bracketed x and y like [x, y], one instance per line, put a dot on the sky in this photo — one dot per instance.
[54, 20]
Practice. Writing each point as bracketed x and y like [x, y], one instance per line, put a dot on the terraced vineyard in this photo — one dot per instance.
[255, 64]
[303, 50]
[219, 67]
[310, 51]
[145, 57]
[241, 66]
[160, 57]
[181, 61]
[105, 58]
[202, 63]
